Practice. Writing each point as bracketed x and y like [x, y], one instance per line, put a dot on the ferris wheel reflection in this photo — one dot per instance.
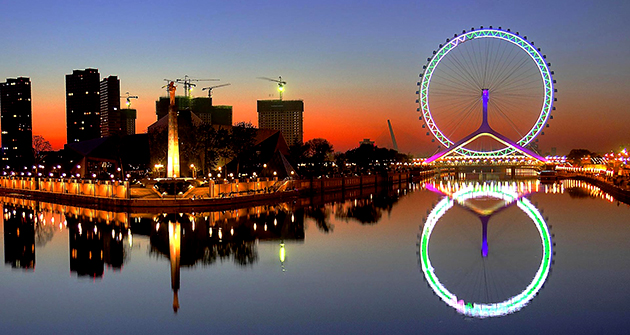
[503, 195]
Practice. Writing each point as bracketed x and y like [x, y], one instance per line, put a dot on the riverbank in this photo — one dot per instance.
[617, 192]
[97, 195]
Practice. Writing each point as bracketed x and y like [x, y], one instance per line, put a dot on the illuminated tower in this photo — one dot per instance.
[83, 120]
[284, 115]
[173, 137]
[15, 112]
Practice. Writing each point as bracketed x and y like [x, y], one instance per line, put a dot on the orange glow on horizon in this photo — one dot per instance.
[346, 118]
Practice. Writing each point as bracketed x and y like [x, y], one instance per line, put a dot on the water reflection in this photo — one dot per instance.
[100, 239]
[485, 200]
[19, 238]
[94, 245]
[367, 209]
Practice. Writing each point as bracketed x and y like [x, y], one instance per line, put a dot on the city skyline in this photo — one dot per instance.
[353, 63]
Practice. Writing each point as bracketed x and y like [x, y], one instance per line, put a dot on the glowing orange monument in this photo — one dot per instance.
[173, 138]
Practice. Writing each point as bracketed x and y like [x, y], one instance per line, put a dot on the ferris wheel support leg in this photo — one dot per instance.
[484, 236]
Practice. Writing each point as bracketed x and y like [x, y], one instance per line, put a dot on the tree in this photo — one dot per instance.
[40, 145]
[318, 150]
[576, 155]
[212, 144]
[297, 153]
[368, 156]
[243, 138]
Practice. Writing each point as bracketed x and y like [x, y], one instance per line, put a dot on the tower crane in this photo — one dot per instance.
[280, 82]
[213, 87]
[188, 83]
[128, 97]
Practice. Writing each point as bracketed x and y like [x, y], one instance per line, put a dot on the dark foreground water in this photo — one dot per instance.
[553, 259]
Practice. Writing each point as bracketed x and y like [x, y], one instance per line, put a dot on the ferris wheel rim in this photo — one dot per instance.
[505, 35]
[483, 310]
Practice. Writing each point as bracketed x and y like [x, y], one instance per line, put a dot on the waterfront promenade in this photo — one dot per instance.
[121, 195]
[616, 186]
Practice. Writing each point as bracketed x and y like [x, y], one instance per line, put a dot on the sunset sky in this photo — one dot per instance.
[354, 63]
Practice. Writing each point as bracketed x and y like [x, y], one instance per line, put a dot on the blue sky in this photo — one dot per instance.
[355, 63]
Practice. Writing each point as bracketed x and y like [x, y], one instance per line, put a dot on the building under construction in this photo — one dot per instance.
[201, 107]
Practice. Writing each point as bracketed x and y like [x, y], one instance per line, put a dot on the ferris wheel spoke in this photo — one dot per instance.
[515, 106]
[498, 64]
[484, 57]
[453, 114]
[443, 104]
[511, 74]
[524, 84]
[506, 117]
[466, 65]
[515, 98]
[467, 113]
[486, 68]
[456, 67]
[453, 81]
[465, 276]
[473, 61]
[505, 64]
[525, 81]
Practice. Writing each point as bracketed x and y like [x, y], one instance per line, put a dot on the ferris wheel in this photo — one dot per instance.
[485, 309]
[492, 77]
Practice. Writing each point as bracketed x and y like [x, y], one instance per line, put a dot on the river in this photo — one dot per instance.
[433, 257]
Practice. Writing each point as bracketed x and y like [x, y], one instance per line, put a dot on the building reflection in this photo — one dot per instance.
[101, 239]
[95, 244]
[19, 237]
[208, 238]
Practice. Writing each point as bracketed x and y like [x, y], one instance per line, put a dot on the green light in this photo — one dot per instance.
[280, 88]
[282, 253]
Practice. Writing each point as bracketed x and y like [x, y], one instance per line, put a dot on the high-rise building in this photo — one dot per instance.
[127, 121]
[202, 107]
[284, 115]
[83, 119]
[109, 93]
[162, 105]
[219, 115]
[16, 125]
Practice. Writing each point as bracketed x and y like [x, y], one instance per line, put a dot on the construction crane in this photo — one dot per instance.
[129, 97]
[213, 87]
[188, 84]
[280, 82]
[391, 132]
[210, 90]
